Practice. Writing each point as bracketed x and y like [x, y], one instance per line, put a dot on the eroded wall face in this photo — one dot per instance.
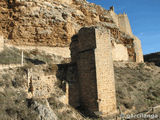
[105, 73]
[138, 50]
[119, 52]
[95, 70]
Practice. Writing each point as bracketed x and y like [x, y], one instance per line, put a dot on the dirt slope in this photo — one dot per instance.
[137, 87]
[137, 90]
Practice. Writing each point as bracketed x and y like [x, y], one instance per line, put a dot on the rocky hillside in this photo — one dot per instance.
[48, 22]
[137, 88]
[16, 104]
[153, 57]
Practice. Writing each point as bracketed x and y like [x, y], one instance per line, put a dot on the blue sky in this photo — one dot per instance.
[144, 16]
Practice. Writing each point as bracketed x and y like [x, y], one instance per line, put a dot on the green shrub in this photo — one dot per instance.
[10, 56]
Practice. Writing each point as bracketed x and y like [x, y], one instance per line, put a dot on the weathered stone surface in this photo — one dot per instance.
[46, 22]
[138, 50]
[119, 52]
[104, 73]
[53, 23]
[44, 112]
[124, 24]
[95, 70]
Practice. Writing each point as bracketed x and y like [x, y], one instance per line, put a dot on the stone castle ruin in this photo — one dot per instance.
[93, 51]
[91, 83]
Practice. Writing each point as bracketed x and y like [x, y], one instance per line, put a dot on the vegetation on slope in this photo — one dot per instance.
[137, 90]
[14, 56]
[153, 57]
[137, 87]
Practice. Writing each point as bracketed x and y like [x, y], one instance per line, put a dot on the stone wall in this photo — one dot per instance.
[104, 73]
[119, 52]
[138, 50]
[1, 43]
[39, 83]
[93, 57]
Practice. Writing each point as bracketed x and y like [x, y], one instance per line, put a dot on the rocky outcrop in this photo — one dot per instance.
[16, 105]
[48, 22]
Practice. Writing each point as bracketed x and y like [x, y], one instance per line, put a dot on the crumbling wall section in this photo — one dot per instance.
[119, 52]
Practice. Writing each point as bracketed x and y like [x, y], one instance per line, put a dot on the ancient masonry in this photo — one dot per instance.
[125, 46]
[91, 50]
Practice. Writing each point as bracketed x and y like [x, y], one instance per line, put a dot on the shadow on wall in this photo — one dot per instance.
[35, 61]
[68, 82]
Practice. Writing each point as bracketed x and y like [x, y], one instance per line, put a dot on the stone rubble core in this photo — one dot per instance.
[91, 51]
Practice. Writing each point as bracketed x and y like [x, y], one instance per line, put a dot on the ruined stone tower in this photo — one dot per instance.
[93, 55]
[124, 24]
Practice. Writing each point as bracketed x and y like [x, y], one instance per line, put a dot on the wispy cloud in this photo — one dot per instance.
[141, 33]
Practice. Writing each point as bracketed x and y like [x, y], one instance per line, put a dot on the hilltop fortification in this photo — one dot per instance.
[95, 36]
